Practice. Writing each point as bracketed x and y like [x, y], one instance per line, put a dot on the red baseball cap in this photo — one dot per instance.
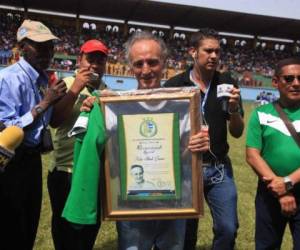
[92, 46]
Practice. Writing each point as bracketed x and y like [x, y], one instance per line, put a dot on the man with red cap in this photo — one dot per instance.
[87, 78]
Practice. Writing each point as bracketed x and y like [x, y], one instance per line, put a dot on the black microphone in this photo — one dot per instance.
[223, 90]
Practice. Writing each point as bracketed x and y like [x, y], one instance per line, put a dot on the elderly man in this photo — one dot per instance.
[274, 154]
[139, 182]
[87, 78]
[219, 187]
[26, 101]
[146, 55]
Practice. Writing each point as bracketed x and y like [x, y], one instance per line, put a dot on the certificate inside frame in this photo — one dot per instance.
[149, 172]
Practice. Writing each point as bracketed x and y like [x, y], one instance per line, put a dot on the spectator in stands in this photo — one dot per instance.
[219, 187]
[273, 153]
[26, 101]
[238, 58]
[92, 60]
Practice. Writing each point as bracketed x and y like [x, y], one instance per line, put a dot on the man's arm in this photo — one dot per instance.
[274, 183]
[277, 185]
[236, 122]
[288, 204]
[258, 164]
[287, 201]
[63, 108]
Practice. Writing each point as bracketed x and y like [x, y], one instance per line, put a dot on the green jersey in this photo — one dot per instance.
[268, 133]
[83, 202]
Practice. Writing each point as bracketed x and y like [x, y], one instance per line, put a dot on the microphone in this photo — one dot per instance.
[224, 89]
[10, 138]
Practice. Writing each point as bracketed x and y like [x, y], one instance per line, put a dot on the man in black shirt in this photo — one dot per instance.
[219, 187]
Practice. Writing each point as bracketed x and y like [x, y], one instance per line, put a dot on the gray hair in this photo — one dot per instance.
[145, 35]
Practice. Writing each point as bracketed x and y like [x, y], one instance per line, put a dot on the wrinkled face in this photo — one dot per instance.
[138, 175]
[207, 55]
[288, 84]
[146, 63]
[38, 55]
[95, 61]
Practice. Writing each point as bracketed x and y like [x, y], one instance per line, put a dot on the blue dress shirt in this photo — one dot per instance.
[20, 90]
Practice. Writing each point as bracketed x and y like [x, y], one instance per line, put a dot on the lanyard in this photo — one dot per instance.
[204, 100]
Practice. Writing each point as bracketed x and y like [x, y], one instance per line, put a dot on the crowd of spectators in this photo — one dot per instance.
[240, 59]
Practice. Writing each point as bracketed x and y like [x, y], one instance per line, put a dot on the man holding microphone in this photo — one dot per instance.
[217, 111]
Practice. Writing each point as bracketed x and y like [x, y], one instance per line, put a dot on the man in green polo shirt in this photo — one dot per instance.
[275, 157]
[92, 60]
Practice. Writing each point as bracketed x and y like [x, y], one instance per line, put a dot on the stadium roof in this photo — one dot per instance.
[171, 14]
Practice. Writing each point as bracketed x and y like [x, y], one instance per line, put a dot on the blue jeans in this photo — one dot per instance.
[270, 223]
[221, 196]
[142, 235]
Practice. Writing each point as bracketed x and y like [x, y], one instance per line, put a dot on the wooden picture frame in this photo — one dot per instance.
[149, 172]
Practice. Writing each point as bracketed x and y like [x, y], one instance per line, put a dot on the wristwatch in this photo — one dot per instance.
[39, 110]
[237, 110]
[288, 183]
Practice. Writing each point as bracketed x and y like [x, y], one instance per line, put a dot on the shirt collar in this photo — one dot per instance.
[34, 75]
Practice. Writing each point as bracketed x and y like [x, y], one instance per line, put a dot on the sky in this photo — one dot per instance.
[277, 8]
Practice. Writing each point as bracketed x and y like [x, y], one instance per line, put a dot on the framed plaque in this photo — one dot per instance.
[149, 171]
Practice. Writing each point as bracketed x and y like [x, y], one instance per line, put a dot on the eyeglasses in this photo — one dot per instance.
[290, 78]
[152, 62]
[96, 58]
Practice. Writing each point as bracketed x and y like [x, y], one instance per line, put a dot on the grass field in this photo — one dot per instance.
[246, 185]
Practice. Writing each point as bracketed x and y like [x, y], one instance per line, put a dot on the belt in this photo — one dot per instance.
[212, 163]
[209, 163]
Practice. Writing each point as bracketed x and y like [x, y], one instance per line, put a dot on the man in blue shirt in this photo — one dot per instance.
[26, 101]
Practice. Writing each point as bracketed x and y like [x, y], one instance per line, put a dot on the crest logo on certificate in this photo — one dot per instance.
[148, 127]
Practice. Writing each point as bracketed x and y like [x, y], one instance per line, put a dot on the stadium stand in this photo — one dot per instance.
[250, 62]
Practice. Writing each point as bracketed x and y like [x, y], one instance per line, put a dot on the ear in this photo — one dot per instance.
[275, 81]
[192, 51]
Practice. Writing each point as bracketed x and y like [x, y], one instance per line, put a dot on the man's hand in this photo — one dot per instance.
[276, 185]
[288, 204]
[53, 94]
[87, 104]
[234, 99]
[199, 142]
[83, 76]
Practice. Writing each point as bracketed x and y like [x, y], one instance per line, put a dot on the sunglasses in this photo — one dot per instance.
[150, 62]
[96, 58]
[290, 78]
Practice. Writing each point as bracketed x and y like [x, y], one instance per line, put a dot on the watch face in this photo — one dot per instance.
[288, 186]
[39, 110]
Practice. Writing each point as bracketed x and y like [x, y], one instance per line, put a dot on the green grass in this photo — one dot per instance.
[246, 185]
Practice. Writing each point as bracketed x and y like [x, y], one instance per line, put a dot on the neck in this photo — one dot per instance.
[202, 78]
[289, 104]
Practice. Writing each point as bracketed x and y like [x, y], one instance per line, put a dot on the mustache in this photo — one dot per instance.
[147, 77]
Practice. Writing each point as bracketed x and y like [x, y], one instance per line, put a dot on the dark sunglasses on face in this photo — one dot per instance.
[96, 58]
[290, 78]
[152, 62]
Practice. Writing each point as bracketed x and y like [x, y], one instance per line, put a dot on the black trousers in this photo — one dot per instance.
[65, 235]
[20, 200]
